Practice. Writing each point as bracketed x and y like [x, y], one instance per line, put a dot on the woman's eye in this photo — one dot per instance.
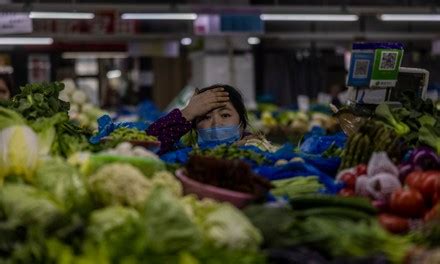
[206, 117]
[226, 115]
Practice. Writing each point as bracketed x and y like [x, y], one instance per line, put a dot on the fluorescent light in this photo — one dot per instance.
[61, 15]
[308, 17]
[160, 16]
[253, 41]
[410, 17]
[114, 74]
[186, 41]
[26, 41]
[94, 55]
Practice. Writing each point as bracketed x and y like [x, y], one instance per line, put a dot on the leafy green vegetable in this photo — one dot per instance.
[120, 184]
[223, 225]
[430, 136]
[39, 100]
[126, 134]
[383, 111]
[19, 152]
[26, 205]
[118, 229]
[282, 227]
[65, 183]
[168, 227]
[45, 127]
[9, 118]
[230, 153]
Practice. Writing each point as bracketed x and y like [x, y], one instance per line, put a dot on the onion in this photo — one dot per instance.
[382, 185]
[361, 186]
[380, 163]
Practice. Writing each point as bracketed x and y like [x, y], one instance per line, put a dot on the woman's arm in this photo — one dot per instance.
[169, 129]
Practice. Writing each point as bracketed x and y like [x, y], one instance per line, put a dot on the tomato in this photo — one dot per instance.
[433, 213]
[349, 179]
[346, 192]
[407, 203]
[361, 169]
[394, 224]
[429, 185]
[414, 179]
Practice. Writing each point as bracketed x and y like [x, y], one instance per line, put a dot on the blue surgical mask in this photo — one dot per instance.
[219, 135]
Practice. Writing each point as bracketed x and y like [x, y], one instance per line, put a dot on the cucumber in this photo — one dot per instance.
[339, 212]
[319, 201]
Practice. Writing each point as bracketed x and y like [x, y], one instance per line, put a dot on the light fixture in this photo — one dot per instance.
[25, 41]
[160, 16]
[94, 55]
[410, 17]
[309, 17]
[186, 41]
[60, 15]
[114, 74]
[253, 41]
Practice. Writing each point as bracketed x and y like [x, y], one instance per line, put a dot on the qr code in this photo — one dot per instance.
[361, 68]
[388, 61]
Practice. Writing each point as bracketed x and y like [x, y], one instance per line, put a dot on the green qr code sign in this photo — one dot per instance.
[388, 60]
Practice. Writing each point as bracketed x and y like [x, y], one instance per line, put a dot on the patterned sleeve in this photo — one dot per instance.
[169, 129]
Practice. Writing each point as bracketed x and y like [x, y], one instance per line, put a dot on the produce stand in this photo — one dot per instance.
[366, 197]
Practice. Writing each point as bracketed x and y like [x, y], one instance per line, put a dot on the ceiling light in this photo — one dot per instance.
[253, 41]
[160, 16]
[308, 17]
[25, 41]
[61, 15]
[186, 41]
[410, 17]
[114, 74]
[94, 55]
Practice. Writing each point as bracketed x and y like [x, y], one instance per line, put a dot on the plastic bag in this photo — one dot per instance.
[106, 127]
[380, 163]
[318, 143]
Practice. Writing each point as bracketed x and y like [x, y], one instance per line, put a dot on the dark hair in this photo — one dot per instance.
[236, 100]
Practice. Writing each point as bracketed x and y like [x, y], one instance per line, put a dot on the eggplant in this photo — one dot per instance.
[425, 158]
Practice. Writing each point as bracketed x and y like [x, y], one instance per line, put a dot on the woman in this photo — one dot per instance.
[218, 115]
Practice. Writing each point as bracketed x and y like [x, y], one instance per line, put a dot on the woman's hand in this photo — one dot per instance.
[203, 103]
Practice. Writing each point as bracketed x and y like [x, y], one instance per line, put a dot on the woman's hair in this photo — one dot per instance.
[236, 100]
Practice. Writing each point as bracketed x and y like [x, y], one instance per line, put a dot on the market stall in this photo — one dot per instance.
[70, 194]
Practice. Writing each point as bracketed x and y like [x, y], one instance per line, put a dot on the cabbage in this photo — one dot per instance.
[18, 152]
[168, 228]
[25, 205]
[120, 184]
[223, 225]
[117, 228]
[65, 183]
[9, 118]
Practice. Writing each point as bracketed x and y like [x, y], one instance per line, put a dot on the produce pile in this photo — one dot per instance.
[289, 124]
[112, 204]
[82, 111]
[63, 200]
[130, 134]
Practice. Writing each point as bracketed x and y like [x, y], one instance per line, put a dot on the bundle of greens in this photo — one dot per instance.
[230, 153]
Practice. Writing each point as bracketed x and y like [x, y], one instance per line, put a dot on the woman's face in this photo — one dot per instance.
[224, 116]
[4, 91]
